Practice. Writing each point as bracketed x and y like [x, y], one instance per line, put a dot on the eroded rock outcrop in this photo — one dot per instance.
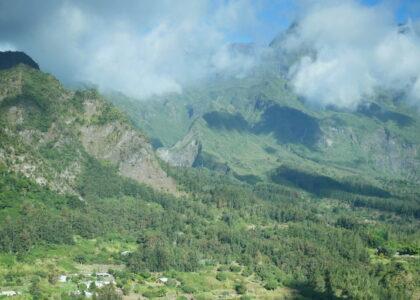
[48, 134]
[183, 153]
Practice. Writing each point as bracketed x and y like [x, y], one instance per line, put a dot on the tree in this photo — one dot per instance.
[221, 276]
[92, 286]
[108, 292]
[52, 278]
[329, 291]
[80, 258]
[35, 289]
[240, 288]
[271, 285]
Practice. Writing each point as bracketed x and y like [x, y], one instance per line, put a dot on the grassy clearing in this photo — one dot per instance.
[46, 264]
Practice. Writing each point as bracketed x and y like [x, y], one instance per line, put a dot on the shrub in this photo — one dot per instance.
[171, 283]
[35, 289]
[247, 272]
[408, 250]
[221, 276]
[240, 288]
[41, 274]
[92, 286]
[108, 292]
[385, 251]
[145, 274]
[188, 289]
[154, 293]
[235, 268]
[81, 259]
[126, 289]
[222, 268]
[271, 285]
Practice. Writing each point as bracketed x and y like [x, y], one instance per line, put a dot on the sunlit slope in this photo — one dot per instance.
[52, 135]
[255, 124]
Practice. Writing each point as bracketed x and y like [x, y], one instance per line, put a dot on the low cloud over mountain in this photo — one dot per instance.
[143, 48]
[138, 47]
[355, 49]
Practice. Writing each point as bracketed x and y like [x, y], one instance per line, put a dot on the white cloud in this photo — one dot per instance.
[7, 47]
[357, 50]
[138, 47]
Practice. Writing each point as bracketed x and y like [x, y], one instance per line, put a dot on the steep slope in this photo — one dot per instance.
[184, 153]
[256, 124]
[50, 134]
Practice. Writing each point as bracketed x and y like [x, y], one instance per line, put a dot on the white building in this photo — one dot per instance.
[9, 293]
[163, 280]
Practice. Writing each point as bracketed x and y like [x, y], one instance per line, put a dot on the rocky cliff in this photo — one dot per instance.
[49, 134]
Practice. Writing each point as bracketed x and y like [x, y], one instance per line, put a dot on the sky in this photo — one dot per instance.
[151, 47]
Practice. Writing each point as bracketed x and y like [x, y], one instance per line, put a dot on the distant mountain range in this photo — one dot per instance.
[254, 125]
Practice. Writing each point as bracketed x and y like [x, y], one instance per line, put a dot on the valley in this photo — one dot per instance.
[230, 170]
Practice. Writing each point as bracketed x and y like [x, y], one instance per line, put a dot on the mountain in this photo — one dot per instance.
[254, 125]
[241, 191]
[257, 129]
[51, 134]
[257, 124]
[10, 59]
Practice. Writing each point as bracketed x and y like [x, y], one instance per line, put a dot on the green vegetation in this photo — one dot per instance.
[253, 125]
[278, 218]
[283, 238]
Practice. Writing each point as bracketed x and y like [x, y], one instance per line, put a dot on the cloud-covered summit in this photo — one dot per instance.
[149, 47]
[138, 47]
[355, 50]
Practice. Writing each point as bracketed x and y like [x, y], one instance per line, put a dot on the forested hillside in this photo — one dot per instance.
[81, 192]
[51, 134]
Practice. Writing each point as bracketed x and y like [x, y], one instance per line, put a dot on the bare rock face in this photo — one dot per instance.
[183, 153]
[392, 155]
[130, 151]
[381, 150]
[10, 59]
[48, 134]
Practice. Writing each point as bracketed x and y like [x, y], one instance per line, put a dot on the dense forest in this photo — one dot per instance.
[324, 248]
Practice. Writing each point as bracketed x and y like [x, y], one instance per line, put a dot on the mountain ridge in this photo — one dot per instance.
[379, 139]
[10, 59]
[55, 124]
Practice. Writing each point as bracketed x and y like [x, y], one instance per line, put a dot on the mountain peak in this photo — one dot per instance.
[10, 59]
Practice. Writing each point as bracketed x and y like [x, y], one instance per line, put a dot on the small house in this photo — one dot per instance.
[163, 280]
[9, 293]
